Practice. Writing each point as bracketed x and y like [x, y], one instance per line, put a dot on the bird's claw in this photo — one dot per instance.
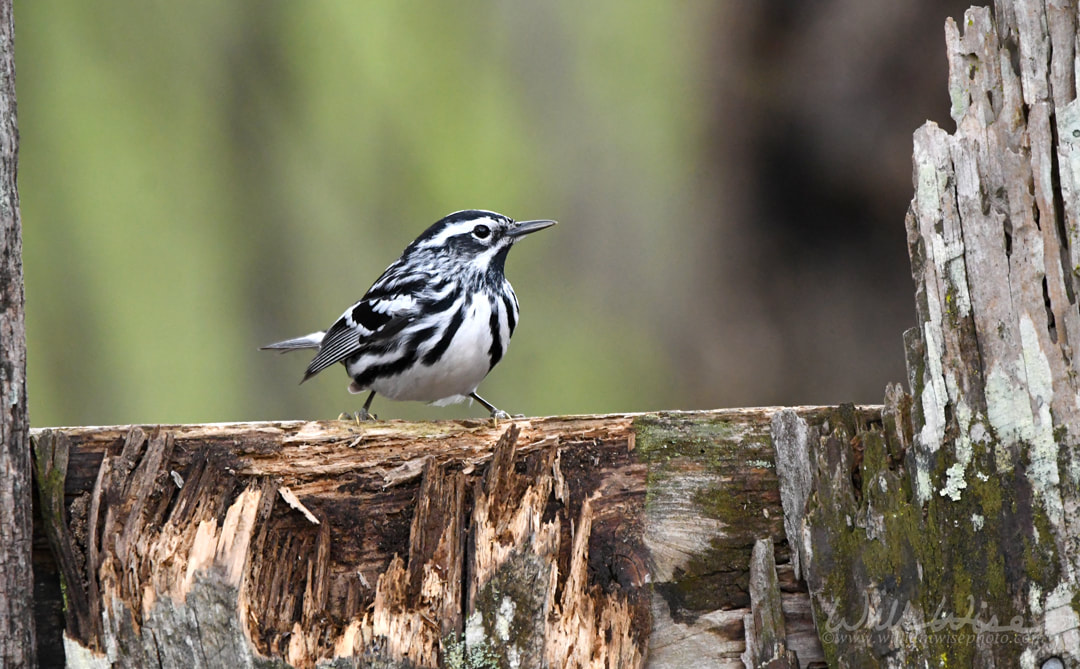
[361, 416]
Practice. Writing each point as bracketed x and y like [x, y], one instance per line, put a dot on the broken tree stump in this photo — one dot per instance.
[592, 541]
[951, 537]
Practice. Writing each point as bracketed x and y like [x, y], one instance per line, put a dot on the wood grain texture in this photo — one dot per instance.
[591, 541]
[998, 438]
[963, 503]
[766, 636]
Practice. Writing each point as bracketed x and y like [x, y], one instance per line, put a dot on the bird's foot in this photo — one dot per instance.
[361, 416]
[497, 415]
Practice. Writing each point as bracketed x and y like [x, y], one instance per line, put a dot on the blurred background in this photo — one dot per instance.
[201, 178]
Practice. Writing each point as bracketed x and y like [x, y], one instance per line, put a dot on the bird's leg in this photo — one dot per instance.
[495, 413]
[364, 414]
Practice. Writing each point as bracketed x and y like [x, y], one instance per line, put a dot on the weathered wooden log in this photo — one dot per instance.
[951, 536]
[593, 541]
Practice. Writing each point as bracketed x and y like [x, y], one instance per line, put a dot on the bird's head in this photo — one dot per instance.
[474, 240]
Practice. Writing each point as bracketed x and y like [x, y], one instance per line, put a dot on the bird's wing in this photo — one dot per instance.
[390, 305]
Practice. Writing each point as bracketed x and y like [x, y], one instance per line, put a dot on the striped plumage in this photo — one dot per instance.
[438, 319]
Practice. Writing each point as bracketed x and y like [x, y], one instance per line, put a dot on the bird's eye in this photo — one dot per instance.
[481, 232]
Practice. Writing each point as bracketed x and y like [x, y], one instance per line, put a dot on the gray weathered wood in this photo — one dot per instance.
[17, 647]
[790, 439]
[766, 636]
[950, 533]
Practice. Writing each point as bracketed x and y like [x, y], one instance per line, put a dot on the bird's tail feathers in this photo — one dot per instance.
[313, 340]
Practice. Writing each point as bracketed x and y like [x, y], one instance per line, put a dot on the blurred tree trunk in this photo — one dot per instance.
[16, 577]
[952, 538]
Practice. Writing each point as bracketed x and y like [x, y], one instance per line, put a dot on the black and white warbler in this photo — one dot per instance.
[436, 322]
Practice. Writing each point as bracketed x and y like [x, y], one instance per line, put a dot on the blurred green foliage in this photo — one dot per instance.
[201, 178]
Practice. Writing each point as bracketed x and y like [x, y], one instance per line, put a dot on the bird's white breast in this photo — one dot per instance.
[460, 369]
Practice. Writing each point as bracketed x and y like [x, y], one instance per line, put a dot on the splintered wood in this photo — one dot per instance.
[554, 542]
[298, 547]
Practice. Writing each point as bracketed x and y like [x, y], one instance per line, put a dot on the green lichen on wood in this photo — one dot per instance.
[994, 554]
[842, 518]
[984, 498]
[1040, 553]
[914, 349]
[507, 623]
[456, 654]
[672, 445]
[964, 559]
[50, 473]
[663, 436]
[965, 573]
[724, 471]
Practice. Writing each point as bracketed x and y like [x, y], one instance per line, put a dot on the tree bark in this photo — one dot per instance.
[952, 536]
[593, 541]
[16, 577]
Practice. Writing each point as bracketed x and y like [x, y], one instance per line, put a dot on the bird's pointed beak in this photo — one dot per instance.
[527, 227]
